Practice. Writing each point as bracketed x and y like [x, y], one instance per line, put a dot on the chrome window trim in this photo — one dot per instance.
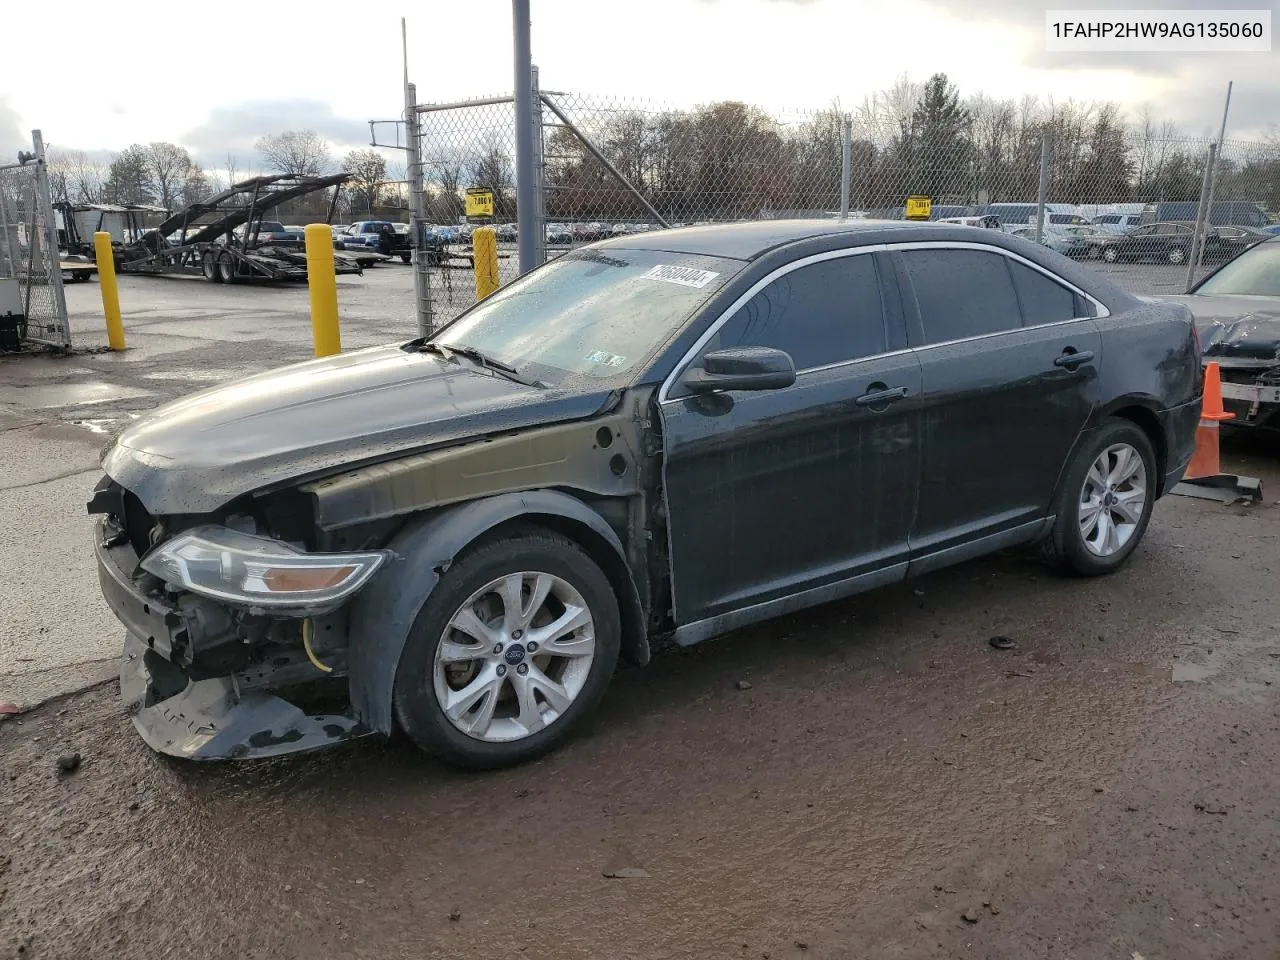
[966, 245]
[729, 311]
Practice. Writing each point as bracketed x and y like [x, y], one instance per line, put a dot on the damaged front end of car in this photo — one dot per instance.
[235, 635]
[1247, 351]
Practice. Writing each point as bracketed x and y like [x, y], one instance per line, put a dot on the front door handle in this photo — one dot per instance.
[1072, 358]
[881, 397]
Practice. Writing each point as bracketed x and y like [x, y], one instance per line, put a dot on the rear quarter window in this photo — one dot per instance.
[1042, 299]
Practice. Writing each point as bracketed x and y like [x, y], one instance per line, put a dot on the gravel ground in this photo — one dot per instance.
[885, 784]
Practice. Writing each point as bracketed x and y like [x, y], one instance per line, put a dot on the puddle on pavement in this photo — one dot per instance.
[69, 394]
[1182, 671]
[1193, 672]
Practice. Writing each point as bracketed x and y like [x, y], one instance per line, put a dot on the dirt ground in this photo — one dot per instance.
[886, 785]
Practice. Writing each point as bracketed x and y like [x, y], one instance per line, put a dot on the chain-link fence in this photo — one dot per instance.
[1124, 199]
[32, 307]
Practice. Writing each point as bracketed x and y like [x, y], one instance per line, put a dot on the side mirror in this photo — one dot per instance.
[742, 368]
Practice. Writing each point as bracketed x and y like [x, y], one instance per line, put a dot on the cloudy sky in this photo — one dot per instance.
[111, 84]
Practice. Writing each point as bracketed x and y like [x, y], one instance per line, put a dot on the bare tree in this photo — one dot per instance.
[167, 167]
[368, 169]
[231, 168]
[76, 175]
[299, 153]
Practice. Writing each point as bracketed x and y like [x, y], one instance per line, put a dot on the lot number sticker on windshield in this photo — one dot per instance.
[685, 276]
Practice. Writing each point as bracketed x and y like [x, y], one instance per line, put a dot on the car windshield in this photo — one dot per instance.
[1255, 273]
[594, 314]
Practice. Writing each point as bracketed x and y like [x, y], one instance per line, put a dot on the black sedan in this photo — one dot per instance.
[1237, 311]
[673, 434]
[1168, 242]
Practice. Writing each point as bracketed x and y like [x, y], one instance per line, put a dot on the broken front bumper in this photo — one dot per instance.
[215, 719]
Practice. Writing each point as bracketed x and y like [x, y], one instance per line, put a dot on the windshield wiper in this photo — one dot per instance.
[483, 359]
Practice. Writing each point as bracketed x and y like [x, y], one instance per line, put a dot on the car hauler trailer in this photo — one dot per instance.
[217, 238]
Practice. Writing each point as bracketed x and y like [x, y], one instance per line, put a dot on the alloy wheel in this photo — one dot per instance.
[514, 656]
[1112, 500]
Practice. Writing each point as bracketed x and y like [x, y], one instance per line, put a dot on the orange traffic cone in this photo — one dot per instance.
[1205, 461]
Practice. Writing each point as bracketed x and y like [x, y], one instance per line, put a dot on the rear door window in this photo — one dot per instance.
[962, 293]
[824, 312]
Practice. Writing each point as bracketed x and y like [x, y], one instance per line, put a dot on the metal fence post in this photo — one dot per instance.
[526, 219]
[12, 268]
[1214, 159]
[539, 178]
[846, 163]
[1202, 211]
[53, 256]
[1042, 194]
[418, 215]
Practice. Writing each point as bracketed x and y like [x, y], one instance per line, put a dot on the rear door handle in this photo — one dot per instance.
[1071, 358]
[881, 398]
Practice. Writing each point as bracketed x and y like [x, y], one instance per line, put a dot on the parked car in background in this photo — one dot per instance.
[380, 235]
[1237, 311]
[987, 221]
[1074, 241]
[267, 232]
[949, 212]
[559, 233]
[1117, 223]
[1164, 243]
[1014, 215]
[471, 530]
[587, 232]
[1239, 239]
[1240, 213]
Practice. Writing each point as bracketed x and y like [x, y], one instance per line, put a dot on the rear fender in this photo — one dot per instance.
[384, 612]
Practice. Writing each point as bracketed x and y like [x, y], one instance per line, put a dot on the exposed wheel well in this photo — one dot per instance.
[1148, 423]
[635, 642]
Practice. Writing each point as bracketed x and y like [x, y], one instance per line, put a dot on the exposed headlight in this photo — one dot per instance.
[258, 571]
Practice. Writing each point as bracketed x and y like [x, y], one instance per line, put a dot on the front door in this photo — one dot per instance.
[1009, 361]
[770, 493]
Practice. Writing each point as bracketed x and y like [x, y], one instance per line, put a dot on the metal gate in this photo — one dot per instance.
[32, 304]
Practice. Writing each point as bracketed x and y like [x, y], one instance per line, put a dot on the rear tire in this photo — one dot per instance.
[406, 257]
[209, 267]
[1105, 501]
[508, 703]
[226, 267]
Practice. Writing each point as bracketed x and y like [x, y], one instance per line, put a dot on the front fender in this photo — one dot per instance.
[384, 612]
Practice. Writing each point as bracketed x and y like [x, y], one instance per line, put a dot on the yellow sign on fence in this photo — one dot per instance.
[479, 202]
[919, 208]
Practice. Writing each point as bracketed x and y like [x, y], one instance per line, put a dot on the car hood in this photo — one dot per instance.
[315, 418]
[1236, 331]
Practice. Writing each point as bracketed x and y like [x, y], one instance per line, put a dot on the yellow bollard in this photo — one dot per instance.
[484, 248]
[110, 293]
[322, 284]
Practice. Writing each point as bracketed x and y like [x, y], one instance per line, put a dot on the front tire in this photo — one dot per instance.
[1176, 255]
[513, 648]
[1105, 502]
[1110, 255]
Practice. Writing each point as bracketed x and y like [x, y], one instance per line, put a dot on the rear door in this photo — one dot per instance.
[1008, 358]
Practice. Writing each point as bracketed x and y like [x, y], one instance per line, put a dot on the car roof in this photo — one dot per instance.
[748, 240]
